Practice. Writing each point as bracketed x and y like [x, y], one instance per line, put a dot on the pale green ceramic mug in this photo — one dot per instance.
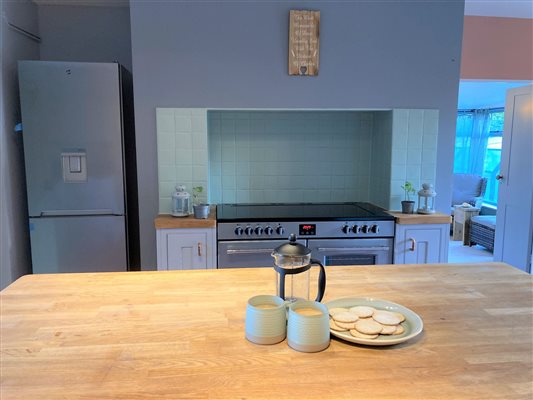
[308, 326]
[266, 319]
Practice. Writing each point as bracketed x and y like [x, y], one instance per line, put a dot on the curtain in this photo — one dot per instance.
[471, 141]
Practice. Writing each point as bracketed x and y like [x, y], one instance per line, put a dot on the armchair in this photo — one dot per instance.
[468, 188]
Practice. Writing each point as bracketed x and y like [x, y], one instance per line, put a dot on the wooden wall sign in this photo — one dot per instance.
[304, 45]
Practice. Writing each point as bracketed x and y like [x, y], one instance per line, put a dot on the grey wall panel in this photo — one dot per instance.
[402, 54]
[84, 33]
[14, 236]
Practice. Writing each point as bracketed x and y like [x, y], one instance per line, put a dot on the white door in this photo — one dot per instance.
[514, 218]
[420, 245]
[186, 250]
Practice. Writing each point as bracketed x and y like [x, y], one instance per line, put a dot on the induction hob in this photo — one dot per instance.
[282, 212]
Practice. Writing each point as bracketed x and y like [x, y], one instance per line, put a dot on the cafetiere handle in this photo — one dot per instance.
[321, 280]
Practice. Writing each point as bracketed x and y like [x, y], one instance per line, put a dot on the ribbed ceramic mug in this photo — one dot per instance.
[266, 319]
[308, 326]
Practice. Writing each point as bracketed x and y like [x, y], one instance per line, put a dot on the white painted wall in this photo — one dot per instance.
[14, 237]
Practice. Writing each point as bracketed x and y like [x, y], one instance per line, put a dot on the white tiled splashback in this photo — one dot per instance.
[289, 156]
[181, 151]
[293, 156]
[414, 151]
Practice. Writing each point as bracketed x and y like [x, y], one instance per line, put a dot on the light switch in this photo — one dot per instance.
[74, 164]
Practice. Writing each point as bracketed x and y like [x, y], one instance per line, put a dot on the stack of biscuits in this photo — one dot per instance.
[366, 322]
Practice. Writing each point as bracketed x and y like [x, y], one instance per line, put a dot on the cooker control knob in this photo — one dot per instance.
[374, 229]
[364, 229]
[269, 230]
[248, 230]
[356, 229]
[238, 231]
[258, 230]
[280, 230]
[346, 229]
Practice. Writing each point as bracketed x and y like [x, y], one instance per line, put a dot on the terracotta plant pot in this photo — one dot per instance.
[408, 207]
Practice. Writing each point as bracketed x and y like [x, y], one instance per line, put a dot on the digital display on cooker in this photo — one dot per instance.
[307, 229]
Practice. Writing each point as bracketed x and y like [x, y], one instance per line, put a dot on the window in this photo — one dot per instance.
[478, 147]
[493, 155]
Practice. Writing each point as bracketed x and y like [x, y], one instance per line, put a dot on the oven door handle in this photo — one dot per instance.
[376, 248]
[249, 251]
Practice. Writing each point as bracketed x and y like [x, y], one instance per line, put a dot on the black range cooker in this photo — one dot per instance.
[337, 233]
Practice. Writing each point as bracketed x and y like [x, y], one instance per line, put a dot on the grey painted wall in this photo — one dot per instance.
[14, 236]
[78, 33]
[402, 54]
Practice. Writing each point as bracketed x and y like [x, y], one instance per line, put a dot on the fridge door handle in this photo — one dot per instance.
[62, 213]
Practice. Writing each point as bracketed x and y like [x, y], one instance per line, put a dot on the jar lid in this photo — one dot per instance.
[292, 248]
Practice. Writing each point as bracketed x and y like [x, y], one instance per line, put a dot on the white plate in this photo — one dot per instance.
[413, 324]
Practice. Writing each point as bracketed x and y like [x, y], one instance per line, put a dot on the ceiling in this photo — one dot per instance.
[485, 94]
[489, 8]
[500, 8]
[85, 3]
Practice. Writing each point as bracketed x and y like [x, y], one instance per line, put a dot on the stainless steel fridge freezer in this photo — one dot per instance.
[79, 151]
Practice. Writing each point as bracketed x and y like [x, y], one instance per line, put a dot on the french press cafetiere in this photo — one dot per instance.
[292, 262]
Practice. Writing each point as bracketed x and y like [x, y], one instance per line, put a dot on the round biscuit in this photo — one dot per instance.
[399, 330]
[386, 318]
[399, 315]
[345, 317]
[335, 327]
[336, 310]
[346, 325]
[388, 329]
[357, 334]
[368, 326]
[363, 311]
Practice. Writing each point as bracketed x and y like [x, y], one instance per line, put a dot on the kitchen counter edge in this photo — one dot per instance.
[167, 221]
[414, 219]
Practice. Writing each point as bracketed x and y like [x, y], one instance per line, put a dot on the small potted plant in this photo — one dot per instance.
[408, 205]
[201, 210]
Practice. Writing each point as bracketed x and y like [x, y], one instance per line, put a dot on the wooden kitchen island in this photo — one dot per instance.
[180, 335]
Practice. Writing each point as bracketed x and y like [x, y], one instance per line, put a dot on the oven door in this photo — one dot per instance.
[352, 251]
[248, 253]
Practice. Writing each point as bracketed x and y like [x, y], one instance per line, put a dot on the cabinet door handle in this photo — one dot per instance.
[199, 249]
[413, 244]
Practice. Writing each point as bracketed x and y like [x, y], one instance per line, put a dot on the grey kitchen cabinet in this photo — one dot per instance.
[421, 243]
[186, 248]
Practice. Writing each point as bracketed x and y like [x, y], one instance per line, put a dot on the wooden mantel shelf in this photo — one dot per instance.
[180, 335]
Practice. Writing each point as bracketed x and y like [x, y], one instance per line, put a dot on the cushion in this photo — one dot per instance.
[487, 220]
[466, 188]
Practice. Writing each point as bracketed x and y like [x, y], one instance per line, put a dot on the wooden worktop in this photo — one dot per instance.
[180, 334]
[412, 219]
[166, 221]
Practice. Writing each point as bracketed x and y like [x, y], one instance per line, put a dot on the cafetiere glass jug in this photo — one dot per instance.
[292, 262]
